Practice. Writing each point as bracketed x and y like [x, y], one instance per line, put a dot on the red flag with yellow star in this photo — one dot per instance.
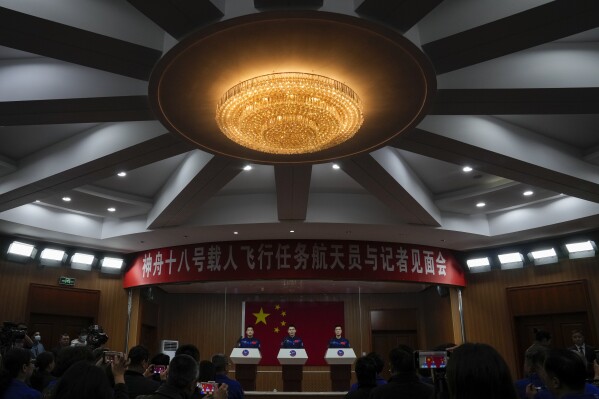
[314, 321]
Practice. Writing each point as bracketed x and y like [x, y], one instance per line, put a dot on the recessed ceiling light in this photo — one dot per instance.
[247, 167]
[335, 166]
[480, 204]
[527, 193]
[111, 209]
[66, 199]
[292, 231]
[122, 174]
[235, 232]
[467, 169]
[37, 201]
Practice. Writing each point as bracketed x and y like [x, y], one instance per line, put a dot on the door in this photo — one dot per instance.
[51, 327]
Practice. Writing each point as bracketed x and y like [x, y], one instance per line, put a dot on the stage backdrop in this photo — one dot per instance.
[315, 323]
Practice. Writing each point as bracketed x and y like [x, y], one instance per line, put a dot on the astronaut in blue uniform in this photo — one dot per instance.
[291, 340]
[338, 341]
[249, 341]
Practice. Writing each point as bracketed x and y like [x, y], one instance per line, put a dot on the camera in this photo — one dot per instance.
[431, 359]
[158, 368]
[9, 334]
[109, 356]
[208, 387]
[96, 336]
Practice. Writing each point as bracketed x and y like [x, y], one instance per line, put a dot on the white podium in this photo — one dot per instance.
[340, 356]
[245, 355]
[292, 356]
[340, 361]
[246, 366]
[292, 361]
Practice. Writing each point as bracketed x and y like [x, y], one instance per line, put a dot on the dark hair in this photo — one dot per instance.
[182, 371]
[161, 358]
[541, 335]
[366, 371]
[220, 363]
[291, 325]
[577, 331]
[473, 369]
[402, 359]
[567, 366]
[70, 355]
[190, 350]
[43, 360]
[535, 356]
[207, 372]
[13, 363]
[138, 354]
[83, 380]
[379, 362]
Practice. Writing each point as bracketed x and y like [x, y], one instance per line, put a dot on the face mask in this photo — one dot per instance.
[37, 337]
[83, 338]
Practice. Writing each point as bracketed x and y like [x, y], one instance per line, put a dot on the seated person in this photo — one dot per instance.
[235, 391]
[366, 375]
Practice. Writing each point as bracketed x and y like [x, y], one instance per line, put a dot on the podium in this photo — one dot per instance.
[340, 361]
[246, 366]
[292, 361]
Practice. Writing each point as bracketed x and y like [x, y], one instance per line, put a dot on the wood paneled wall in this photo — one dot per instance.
[213, 323]
[486, 313]
[15, 279]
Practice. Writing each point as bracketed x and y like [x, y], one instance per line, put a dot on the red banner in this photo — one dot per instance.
[298, 259]
[314, 321]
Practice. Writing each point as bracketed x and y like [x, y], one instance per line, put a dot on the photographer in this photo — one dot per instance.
[138, 375]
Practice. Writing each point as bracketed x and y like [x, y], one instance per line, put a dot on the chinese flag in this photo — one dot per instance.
[314, 321]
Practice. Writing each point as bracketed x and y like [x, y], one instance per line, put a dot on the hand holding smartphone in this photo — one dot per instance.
[208, 387]
[159, 369]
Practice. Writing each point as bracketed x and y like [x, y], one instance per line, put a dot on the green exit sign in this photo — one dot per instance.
[70, 281]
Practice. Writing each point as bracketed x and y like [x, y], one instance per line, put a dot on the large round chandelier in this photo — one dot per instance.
[289, 113]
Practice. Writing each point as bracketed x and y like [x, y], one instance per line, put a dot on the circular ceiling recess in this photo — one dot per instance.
[393, 79]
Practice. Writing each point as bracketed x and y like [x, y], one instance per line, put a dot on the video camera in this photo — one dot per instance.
[9, 334]
[96, 336]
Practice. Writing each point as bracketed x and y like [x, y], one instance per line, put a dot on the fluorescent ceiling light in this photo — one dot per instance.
[21, 249]
[84, 259]
[544, 256]
[510, 258]
[479, 264]
[112, 263]
[513, 260]
[580, 246]
[52, 254]
[545, 253]
[577, 250]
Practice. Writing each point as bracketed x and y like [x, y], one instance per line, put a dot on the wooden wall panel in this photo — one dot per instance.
[213, 323]
[486, 312]
[15, 279]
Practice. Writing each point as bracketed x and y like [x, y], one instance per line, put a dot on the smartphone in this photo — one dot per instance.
[158, 368]
[207, 387]
[109, 356]
[431, 359]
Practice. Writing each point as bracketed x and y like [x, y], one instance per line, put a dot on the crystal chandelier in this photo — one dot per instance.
[289, 113]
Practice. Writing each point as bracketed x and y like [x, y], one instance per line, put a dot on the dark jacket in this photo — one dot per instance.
[403, 386]
[166, 391]
[139, 385]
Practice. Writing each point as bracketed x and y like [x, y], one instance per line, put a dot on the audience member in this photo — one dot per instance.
[86, 380]
[379, 365]
[181, 382]
[138, 375]
[63, 342]
[160, 359]
[220, 363]
[81, 340]
[475, 371]
[404, 382]
[541, 337]
[42, 375]
[532, 383]
[190, 350]
[37, 347]
[207, 372]
[586, 351]
[366, 374]
[564, 374]
[18, 367]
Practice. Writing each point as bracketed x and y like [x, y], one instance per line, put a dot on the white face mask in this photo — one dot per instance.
[83, 338]
[37, 337]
